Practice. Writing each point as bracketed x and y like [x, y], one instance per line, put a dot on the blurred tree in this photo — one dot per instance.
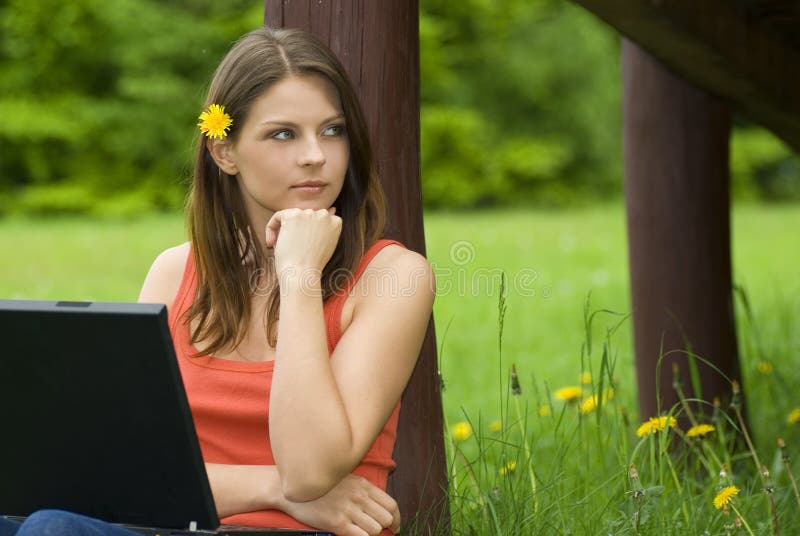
[534, 86]
[520, 104]
[99, 98]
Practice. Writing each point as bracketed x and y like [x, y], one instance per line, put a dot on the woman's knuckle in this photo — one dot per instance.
[386, 519]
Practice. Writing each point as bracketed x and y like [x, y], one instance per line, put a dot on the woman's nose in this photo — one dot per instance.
[312, 153]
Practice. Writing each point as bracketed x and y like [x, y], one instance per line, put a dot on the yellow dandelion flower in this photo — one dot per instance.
[496, 427]
[544, 411]
[214, 123]
[724, 496]
[655, 424]
[699, 430]
[461, 431]
[589, 405]
[508, 468]
[586, 378]
[568, 394]
[794, 416]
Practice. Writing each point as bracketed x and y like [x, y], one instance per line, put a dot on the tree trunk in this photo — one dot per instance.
[676, 189]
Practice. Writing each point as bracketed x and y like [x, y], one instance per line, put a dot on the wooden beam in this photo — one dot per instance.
[676, 193]
[727, 48]
[378, 44]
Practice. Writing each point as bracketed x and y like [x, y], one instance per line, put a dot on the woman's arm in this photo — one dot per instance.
[245, 488]
[345, 400]
[164, 277]
[353, 507]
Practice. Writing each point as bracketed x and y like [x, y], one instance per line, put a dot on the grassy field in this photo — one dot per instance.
[578, 466]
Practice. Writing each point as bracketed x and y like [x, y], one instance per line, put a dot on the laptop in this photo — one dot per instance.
[95, 419]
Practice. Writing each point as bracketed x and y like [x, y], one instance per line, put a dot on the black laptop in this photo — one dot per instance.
[95, 420]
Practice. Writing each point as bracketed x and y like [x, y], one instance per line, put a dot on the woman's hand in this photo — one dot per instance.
[355, 507]
[303, 239]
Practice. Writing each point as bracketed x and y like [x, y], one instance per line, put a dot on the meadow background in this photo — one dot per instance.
[521, 170]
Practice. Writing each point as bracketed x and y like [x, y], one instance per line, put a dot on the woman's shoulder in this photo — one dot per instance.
[165, 275]
[396, 255]
[402, 269]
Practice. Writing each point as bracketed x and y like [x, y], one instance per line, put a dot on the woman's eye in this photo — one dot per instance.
[333, 130]
[282, 135]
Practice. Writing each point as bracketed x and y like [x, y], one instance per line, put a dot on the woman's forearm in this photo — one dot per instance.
[309, 428]
[245, 488]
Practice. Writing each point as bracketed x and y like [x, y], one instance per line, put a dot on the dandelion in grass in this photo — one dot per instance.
[544, 411]
[655, 424]
[700, 430]
[586, 378]
[794, 416]
[764, 367]
[568, 394]
[496, 427]
[725, 496]
[508, 468]
[589, 405]
[461, 431]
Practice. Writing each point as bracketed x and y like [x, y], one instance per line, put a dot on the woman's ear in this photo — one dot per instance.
[221, 151]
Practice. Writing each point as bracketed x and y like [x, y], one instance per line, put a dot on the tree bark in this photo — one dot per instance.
[676, 189]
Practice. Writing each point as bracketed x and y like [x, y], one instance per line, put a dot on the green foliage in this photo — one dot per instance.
[520, 104]
[99, 99]
[762, 166]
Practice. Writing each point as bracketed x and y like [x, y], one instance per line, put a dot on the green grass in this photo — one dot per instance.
[552, 260]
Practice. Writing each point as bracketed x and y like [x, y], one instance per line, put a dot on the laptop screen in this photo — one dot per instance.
[94, 416]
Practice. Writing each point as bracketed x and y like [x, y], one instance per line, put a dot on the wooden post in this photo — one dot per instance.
[378, 44]
[676, 189]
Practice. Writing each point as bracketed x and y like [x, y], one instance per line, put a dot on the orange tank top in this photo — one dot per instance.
[229, 399]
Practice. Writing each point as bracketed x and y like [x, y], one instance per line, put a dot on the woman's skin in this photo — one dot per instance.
[295, 132]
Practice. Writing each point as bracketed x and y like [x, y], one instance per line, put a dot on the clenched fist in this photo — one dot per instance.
[303, 239]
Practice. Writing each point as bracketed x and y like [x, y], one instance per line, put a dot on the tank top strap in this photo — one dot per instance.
[335, 304]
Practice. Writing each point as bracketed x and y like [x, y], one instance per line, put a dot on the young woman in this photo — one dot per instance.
[293, 353]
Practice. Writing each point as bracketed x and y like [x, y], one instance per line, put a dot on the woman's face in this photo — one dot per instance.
[295, 133]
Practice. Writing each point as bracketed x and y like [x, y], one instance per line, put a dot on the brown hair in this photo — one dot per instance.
[225, 246]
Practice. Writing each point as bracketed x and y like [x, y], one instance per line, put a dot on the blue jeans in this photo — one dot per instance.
[58, 523]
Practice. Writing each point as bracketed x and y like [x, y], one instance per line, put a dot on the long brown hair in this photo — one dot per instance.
[225, 247]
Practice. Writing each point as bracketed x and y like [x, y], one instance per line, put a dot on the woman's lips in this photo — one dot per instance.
[309, 189]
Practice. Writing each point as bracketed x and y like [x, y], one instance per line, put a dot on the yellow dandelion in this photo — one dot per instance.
[589, 405]
[496, 427]
[568, 394]
[699, 430]
[724, 496]
[586, 378]
[461, 431]
[655, 424]
[508, 468]
[764, 367]
[215, 122]
[544, 411]
[794, 416]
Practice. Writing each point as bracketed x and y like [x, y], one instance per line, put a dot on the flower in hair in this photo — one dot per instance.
[215, 122]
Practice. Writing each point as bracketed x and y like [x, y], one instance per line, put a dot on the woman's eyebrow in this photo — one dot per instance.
[286, 123]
